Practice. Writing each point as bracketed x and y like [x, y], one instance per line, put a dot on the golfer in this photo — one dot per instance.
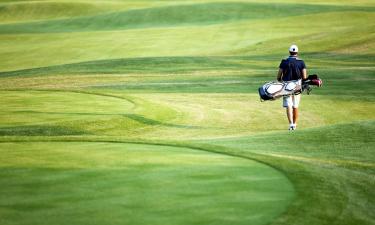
[290, 69]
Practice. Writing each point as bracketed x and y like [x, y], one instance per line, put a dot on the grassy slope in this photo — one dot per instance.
[189, 78]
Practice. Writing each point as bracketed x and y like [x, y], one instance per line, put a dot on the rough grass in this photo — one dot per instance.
[102, 104]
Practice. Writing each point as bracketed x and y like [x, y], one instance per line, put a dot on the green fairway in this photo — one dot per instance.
[147, 112]
[75, 183]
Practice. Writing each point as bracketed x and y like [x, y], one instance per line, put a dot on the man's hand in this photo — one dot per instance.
[279, 74]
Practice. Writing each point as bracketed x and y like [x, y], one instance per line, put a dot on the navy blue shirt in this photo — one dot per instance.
[292, 68]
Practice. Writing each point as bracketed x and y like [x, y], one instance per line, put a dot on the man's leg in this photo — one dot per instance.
[295, 115]
[288, 104]
[290, 114]
[296, 100]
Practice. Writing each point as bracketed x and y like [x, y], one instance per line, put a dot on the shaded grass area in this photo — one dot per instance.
[207, 13]
[184, 65]
[137, 65]
[35, 130]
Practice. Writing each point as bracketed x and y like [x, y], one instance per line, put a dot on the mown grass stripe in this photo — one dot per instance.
[197, 14]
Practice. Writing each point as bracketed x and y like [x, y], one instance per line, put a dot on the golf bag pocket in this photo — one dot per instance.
[263, 94]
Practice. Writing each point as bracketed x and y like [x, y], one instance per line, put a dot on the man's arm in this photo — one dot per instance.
[279, 74]
[304, 74]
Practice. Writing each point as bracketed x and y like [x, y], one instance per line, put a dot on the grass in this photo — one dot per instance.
[179, 15]
[91, 182]
[341, 152]
[147, 112]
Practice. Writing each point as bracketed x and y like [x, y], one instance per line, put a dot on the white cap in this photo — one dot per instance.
[293, 48]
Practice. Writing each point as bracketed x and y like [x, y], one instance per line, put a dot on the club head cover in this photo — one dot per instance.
[317, 82]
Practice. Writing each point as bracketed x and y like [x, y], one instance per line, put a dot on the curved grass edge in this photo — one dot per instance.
[211, 149]
[308, 183]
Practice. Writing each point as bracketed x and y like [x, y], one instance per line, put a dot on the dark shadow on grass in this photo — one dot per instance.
[39, 130]
[151, 122]
[136, 117]
[145, 65]
[189, 64]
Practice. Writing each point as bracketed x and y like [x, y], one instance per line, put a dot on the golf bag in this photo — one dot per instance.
[274, 90]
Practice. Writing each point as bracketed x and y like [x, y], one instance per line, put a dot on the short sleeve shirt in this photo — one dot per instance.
[288, 75]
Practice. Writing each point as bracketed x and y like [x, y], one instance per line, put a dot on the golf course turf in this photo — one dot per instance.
[147, 112]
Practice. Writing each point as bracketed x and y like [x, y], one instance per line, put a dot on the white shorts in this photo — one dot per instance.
[291, 101]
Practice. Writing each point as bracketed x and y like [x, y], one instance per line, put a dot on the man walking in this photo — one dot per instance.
[294, 69]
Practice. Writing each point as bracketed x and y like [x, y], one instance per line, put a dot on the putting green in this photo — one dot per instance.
[120, 183]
